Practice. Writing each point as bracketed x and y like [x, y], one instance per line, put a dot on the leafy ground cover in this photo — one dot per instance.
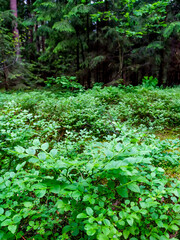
[90, 165]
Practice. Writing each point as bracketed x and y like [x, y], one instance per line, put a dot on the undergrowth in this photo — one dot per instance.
[85, 166]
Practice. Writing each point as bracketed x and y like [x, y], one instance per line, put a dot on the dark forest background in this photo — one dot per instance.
[113, 42]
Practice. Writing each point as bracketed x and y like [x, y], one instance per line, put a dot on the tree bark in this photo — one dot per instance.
[121, 60]
[13, 6]
[5, 70]
[37, 39]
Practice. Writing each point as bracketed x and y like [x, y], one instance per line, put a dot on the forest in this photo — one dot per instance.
[89, 120]
[94, 41]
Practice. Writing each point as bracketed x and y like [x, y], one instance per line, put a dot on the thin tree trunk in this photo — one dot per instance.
[77, 52]
[87, 27]
[30, 37]
[121, 60]
[5, 69]
[37, 39]
[43, 43]
[163, 70]
[13, 6]
[82, 51]
[43, 40]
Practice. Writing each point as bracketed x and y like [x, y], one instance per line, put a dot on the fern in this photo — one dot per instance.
[155, 45]
[80, 9]
[95, 61]
[173, 28]
[64, 26]
[43, 30]
[63, 45]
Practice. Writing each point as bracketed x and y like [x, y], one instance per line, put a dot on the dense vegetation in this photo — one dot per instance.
[89, 119]
[88, 165]
[95, 41]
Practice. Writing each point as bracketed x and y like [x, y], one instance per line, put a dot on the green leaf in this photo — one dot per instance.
[153, 238]
[6, 222]
[40, 193]
[53, 152]
[122, 191]
[31, 223]
[1, 211]
[76, 195]
[12, 228]
[55, 188]
[17, 218]
[75, 232]
[91, 232]
[102, 237]
[42, 156]
[45, 146]
[60, 204]
[105, 230]
[33, 160]
[121, 222]
[28, 204]
[130, 221]
[174, 227]
[126, 233]
[66, 229]
[19, 149]
[36, 142]
[81, 215]
[89, 211]
[163, 238]
[19, 166]
[133, 187]
[2, 234]
[159, 223]
[31, 151]
[107, 222]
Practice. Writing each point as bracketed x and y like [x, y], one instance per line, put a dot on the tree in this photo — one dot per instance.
[13, 7]
[6, 47]
[99, 41]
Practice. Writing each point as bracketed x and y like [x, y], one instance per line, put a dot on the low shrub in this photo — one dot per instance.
[105, 190]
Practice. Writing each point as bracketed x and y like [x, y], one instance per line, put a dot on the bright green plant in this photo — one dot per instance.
[149, 81]
[110, 190]
[71, 170]
[64, 82]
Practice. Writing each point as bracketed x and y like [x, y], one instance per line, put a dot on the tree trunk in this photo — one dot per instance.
[30, 37]
[13, 6]
[5, 70]
[121, 60]
[163, 70]
[37, 38]
[43, 43]
[77, 50]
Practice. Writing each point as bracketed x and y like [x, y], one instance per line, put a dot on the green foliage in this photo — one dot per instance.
[109, 189]
[149, 81]
[7, 53]
[64, 26]
[173, 28]
[70, 169]
[64, 82]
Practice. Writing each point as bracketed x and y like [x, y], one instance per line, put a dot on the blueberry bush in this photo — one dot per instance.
[88, 165]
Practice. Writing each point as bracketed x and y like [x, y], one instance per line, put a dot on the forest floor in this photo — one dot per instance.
[96, 164]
